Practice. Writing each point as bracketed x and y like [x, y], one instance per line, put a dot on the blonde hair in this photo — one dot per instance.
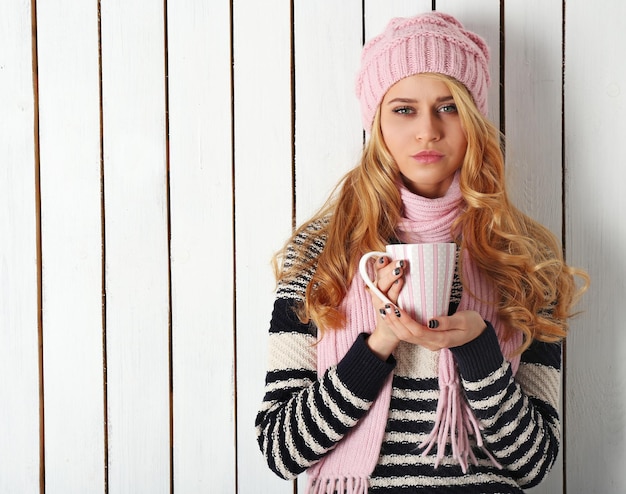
[536, 288]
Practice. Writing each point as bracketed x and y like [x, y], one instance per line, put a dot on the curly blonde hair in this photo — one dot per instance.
[523, 259]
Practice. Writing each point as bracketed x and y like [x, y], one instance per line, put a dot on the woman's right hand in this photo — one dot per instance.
[389, 280]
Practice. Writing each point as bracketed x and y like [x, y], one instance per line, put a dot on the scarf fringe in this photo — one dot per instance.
[334, 484]
[455, 421]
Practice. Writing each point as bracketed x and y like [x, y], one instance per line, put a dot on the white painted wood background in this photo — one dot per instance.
[153, 156]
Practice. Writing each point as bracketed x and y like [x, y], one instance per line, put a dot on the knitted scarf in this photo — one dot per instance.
[347, 468]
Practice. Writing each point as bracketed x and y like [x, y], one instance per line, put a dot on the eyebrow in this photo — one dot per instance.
[440, 99]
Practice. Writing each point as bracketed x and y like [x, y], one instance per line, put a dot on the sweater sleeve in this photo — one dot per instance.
[519, 414]
[302, 417]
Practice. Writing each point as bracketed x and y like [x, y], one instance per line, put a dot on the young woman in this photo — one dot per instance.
[358, 393]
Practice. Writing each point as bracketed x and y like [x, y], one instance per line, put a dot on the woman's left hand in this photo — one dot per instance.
[450, 331]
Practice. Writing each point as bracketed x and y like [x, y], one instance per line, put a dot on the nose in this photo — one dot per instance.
[427, 128]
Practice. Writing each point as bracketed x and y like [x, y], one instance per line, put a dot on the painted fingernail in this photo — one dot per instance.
[400, 264]
[396, 282]
[433, 323]
[396, 271]
[397, 311]
[382, 311]
[381, 260]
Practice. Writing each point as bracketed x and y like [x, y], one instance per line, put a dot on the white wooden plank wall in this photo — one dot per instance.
[153, 156]
[263, 207]
[69, 141]
[135, 246]
[533, 109]
[199, 66]
[20, 413]
[595, 98]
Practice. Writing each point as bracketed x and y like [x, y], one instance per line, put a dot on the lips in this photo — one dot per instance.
[428, 156]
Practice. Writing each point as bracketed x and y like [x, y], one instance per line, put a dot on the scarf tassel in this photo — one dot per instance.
[332, 485]
[454, 420]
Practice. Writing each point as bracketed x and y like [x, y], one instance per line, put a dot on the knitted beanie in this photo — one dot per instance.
[430, 42]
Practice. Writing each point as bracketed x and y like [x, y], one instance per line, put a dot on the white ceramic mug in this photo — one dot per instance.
[428, 276]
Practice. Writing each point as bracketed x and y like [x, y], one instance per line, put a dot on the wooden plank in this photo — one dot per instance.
[202, 246]
[328, 130]
[378, 13]
[596, 233]
[137, 300]
[533, 108]
[533, 88]
[69, 111]
[19, 361]
[263, 210]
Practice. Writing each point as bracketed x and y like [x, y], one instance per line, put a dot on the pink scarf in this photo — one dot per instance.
[347, 468]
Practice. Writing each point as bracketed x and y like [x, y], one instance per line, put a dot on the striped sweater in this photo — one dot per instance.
[302, 417]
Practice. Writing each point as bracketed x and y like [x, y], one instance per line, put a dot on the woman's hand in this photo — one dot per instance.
[394, 324]
[442, 332]
[389, 280]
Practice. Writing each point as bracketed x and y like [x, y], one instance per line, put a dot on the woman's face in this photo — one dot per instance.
[422, 130]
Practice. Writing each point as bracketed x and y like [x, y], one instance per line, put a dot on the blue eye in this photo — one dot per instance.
[404, 110]
[451, 108]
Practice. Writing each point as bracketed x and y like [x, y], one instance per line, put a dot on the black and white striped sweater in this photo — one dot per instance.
[302, 417]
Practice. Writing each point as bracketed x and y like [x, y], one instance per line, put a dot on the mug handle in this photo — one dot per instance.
[366, 278]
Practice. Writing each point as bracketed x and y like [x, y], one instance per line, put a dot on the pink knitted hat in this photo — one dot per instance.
[430, 42]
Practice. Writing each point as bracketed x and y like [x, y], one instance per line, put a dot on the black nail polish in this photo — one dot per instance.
[387, 306]
[381, 260]
[396, 271]
[382, 312]
[397, 311]
[433, 323]
[401, 264]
